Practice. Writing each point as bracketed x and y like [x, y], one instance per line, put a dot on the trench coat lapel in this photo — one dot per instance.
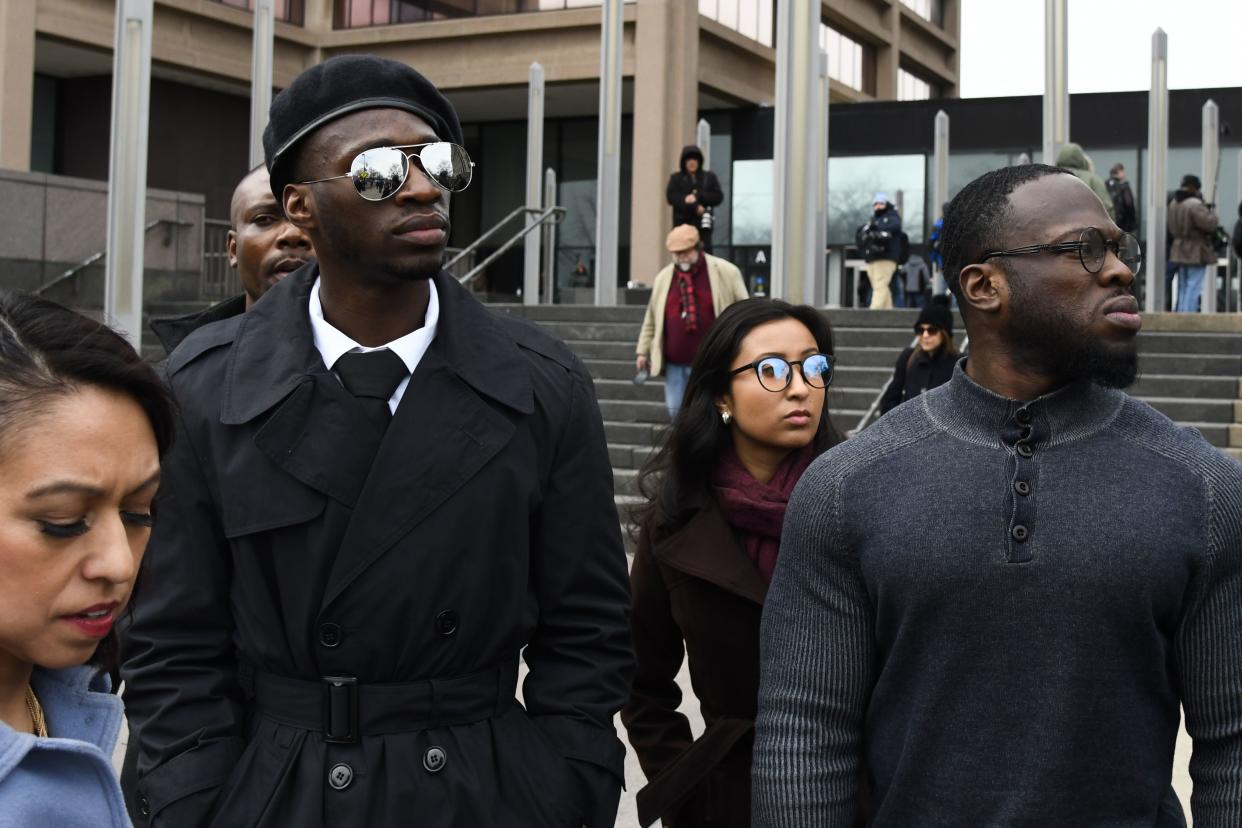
[707, 548]
[445, 430]
[311, 433]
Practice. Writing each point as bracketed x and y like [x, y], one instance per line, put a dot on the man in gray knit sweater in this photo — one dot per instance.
[1004, 639]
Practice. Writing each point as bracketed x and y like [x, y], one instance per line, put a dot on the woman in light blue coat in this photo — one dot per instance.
[83, 421]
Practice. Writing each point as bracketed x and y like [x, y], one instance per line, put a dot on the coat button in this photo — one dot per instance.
[340, 776]
[1023, 416]
[1024, 450]
[446, 623]
[329, 635]
[1022, 487]
[1020, 533]
[144, 807]
[434, 759]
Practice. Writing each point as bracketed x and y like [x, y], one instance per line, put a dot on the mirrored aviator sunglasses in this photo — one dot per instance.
[378, 173]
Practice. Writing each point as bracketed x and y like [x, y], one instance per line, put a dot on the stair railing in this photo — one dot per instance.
[95, 257]
[870, 414]
[540, 217]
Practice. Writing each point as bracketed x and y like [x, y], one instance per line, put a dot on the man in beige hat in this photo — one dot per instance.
[686, 297]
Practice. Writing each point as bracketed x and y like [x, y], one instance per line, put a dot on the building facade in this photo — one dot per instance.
[683, 59]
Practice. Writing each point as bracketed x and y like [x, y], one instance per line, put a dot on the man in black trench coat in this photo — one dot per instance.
[333, 602]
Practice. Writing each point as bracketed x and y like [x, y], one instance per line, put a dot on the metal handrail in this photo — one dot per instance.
[865, 420]
[94, 257]
[550, 215]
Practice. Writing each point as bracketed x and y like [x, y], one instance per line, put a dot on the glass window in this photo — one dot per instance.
[845, 57]
[752, 201]
[911, 87]
[929, 10]
[752, 18]
[853, 183]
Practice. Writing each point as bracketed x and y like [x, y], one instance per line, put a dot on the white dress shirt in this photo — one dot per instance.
[332, 344]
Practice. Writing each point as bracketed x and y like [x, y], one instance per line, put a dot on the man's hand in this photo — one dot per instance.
[702, 209]
[690, 199]
[642, 363]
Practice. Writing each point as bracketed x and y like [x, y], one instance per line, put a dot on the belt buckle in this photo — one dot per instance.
[340, 709]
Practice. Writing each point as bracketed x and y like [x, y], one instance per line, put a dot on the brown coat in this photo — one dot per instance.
[696, 586]
[1191, 223]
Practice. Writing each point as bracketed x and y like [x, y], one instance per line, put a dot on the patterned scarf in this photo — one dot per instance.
[757, 510]
[685, 287]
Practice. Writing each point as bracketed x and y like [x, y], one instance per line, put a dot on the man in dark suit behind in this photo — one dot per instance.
[379, 495]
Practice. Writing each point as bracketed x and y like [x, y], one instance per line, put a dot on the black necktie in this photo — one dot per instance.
[372, 377]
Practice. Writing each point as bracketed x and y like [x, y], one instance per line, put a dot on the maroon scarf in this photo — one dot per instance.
[685, 287]
[757, 510]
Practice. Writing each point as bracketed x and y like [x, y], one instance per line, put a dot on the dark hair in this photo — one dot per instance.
[684, 464]
[47, 351]
[1191, 182]
[947, 346]
[1116, 168]
[976, 216]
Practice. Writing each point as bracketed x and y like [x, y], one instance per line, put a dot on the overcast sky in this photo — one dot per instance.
[1002, 46]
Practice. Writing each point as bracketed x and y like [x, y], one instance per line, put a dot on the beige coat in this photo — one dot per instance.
[727, 287]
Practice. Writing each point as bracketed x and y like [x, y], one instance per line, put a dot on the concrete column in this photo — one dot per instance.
[608, 155]
[1056, 79]
[261, 75]
[666, 64]
[1211, 168]
[1157, 171]
[17, 63]
[534, 182]
[887, 57]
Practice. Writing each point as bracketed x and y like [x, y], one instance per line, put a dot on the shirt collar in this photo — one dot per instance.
[332, 344]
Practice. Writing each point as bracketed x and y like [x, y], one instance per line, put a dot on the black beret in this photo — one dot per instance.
[345, 84]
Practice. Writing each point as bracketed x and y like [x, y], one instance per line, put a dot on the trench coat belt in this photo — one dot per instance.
[344, 710]
[662, 796]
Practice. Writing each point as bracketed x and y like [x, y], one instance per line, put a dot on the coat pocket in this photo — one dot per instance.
[536, 786]
[260, 773]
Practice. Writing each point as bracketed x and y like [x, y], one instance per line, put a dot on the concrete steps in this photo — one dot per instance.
[1191, 371]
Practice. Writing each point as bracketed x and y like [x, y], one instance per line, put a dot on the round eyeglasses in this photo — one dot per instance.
[1091, 247]
[775, 373]
[378, 173]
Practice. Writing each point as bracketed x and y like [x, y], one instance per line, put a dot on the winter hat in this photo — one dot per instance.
[938, 315]
[880, 198]
[342, 85]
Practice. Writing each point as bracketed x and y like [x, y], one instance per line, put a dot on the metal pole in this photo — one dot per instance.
[940, 183]
[1211, 165]
[796, 139]
[1056, 79]
[608, 193]
[261, 75]
[127, 167]
[549, 240]
[815, 295]
[703, 140]
[1237, 304]
[1157, 170]
[534, 182]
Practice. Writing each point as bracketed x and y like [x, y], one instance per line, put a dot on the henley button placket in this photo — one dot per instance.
[1020, 432]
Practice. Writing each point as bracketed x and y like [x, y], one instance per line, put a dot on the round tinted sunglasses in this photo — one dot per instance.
[378, 173]
[1091, 247]
[775, 373]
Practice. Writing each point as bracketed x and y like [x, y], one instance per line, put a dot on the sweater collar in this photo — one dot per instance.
[970, 412]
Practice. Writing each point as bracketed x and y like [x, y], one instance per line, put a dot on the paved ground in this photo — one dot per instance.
[627, 815]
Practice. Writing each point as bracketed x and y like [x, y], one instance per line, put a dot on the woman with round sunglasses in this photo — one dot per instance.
[754, 417]
[927, 363]
[83, 421]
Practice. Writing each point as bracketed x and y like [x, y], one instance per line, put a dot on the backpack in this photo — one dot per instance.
[903, 249]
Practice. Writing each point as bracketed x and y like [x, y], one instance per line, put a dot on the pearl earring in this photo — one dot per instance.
[725, 417]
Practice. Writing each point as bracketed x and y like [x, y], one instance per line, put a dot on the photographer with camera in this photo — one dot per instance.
[1192, 224]
[693, 192]
[880, 241]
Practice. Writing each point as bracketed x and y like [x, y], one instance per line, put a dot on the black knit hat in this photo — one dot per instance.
[936, 314]
[345, 84]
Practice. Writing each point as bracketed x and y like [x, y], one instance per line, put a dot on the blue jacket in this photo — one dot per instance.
[888, 221]
[65, 780]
